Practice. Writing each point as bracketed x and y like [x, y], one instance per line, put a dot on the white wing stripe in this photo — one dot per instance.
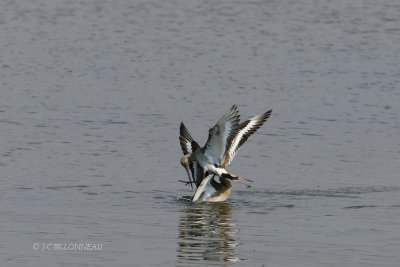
[239, 136]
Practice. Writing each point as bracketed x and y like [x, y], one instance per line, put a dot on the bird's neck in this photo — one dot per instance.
[223, 185]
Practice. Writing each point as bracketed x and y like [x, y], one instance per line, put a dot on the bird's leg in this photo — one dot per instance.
[188, 173]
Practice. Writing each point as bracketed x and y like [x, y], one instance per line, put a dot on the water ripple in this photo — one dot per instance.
[350, 192]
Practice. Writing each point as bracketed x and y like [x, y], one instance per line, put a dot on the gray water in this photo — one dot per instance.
[91, 97]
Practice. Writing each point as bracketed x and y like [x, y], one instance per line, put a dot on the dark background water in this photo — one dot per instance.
[92, 94]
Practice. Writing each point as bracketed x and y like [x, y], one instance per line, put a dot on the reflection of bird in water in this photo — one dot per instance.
[208, 163]
[206, 234]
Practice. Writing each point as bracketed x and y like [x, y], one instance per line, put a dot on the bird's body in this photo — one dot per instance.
[208, 164]
[212, 191]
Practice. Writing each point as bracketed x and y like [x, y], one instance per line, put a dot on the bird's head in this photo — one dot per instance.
[185, 161]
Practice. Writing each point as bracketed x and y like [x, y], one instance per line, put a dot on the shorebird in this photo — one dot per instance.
[208, 163]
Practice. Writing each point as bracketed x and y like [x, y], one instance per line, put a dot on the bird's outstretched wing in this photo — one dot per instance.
[187, 142]
[221, 135]
[245, 129]
[197, 173]
[188, 146]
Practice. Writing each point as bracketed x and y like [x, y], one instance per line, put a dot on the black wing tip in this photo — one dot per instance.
[267, 114]
[183, 131]
[184, 138]
[232, 114]
[233, 110]
[264, 116]
[261, 118]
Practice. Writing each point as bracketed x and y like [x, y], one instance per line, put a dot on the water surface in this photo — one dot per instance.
[92, 94]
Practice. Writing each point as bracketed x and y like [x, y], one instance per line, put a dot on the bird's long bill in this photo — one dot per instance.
[188, 173]
[241, 179]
